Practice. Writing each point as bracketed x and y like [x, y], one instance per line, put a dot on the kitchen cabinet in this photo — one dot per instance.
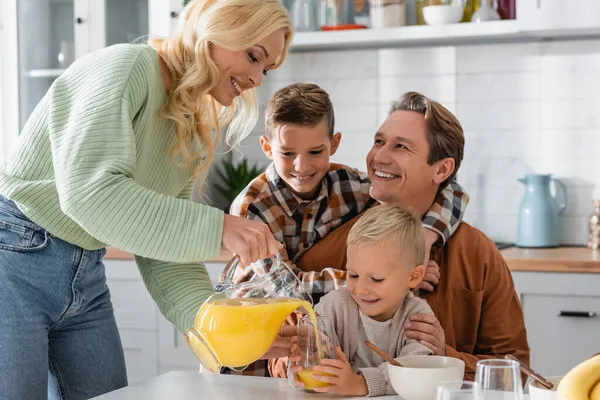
[559, 17]
[41, 38]
[163, 16]
[152, 345]
[562, 316]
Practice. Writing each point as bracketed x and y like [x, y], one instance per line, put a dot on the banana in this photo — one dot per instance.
[581, 381]
[595, 393]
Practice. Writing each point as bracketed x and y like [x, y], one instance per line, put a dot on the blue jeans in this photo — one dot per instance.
[58, 335]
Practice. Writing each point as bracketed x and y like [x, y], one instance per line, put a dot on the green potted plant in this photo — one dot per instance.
[233, 178]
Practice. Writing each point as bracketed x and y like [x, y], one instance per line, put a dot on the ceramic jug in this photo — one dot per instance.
[538, 221]
[238, 323]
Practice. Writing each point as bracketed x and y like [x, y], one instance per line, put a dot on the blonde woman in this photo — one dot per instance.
[108, 157]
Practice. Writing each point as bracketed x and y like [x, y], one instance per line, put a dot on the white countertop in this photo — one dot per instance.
[184, 385]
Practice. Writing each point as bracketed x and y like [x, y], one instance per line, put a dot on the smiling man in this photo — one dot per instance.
[416, 153]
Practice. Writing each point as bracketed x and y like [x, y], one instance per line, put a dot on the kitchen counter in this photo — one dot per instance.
[112, 253]
[183, 385]
[560, 259]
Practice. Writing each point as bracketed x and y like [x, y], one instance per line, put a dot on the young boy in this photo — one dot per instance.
[303, 197]
[385, 253]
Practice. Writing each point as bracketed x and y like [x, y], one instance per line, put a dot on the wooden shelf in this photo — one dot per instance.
[45, 73]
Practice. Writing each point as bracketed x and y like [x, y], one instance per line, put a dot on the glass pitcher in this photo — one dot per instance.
[238, 323]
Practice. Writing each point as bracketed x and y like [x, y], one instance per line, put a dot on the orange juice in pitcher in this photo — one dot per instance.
[237, 325]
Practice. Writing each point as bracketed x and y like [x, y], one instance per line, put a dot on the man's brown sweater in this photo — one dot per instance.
[475, 301]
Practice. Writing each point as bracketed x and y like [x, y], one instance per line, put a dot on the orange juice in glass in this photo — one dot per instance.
[315, 345]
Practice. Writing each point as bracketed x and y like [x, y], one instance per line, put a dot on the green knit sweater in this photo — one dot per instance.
[92, 167]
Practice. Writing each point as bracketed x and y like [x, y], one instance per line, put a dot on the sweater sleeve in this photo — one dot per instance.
[447, 212]
[94, 154]
[178, 289]
[377, 378]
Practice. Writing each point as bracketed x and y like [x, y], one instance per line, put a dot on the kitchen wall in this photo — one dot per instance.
[525, 108]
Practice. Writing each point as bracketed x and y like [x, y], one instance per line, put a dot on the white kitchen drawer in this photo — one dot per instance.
[134, 307]
[560, 327]
[174, 353]
[141, 355]
[122, 269]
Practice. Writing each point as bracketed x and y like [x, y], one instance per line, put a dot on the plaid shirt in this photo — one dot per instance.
[299, 224]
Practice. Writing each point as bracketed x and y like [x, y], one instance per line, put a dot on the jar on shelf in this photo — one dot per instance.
[362, 13]
[304, 15]
[334, 13]
[507, 9]
[387, 13]
[470, 7]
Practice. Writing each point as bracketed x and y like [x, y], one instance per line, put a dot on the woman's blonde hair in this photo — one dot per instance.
[391, 225]
[234, 25]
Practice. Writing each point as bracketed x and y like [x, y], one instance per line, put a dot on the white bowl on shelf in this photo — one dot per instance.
[443, 14]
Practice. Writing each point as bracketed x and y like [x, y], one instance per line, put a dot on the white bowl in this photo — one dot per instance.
[538, 392]
[443, 14]
[420, 376]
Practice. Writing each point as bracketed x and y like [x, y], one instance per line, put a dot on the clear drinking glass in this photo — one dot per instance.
[458, 390]
[309, 350]
[499, 379]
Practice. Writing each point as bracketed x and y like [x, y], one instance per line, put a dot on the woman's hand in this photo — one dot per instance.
[250, 240]
[427, 330]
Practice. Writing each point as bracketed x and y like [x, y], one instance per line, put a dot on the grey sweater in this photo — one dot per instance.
[352, 327]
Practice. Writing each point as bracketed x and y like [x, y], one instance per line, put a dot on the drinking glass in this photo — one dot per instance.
[458, 390]
[499, 379]
[309, 350]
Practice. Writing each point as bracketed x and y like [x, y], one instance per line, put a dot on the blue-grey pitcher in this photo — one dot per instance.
[539, 213]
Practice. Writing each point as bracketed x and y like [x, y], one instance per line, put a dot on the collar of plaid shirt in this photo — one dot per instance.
[287, 199]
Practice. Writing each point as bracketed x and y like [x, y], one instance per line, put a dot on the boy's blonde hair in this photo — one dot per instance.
[393, 225]
[234, 25]
[303, 104]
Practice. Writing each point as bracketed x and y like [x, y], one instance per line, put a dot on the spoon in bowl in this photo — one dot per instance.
[531, 373]
[382, 354]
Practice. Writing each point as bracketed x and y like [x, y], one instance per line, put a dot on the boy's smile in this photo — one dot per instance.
[301, 155]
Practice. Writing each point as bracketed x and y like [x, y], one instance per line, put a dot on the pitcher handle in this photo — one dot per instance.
[226, 277]
[561, 187]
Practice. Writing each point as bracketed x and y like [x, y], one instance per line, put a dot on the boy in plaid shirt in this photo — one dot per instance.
[303, 197]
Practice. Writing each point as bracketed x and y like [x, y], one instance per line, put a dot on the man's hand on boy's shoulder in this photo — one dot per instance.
[427, 330]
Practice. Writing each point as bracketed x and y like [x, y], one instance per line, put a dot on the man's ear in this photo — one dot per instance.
[335, 142]
[265, 145]
[416, 276]
[443, 169]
